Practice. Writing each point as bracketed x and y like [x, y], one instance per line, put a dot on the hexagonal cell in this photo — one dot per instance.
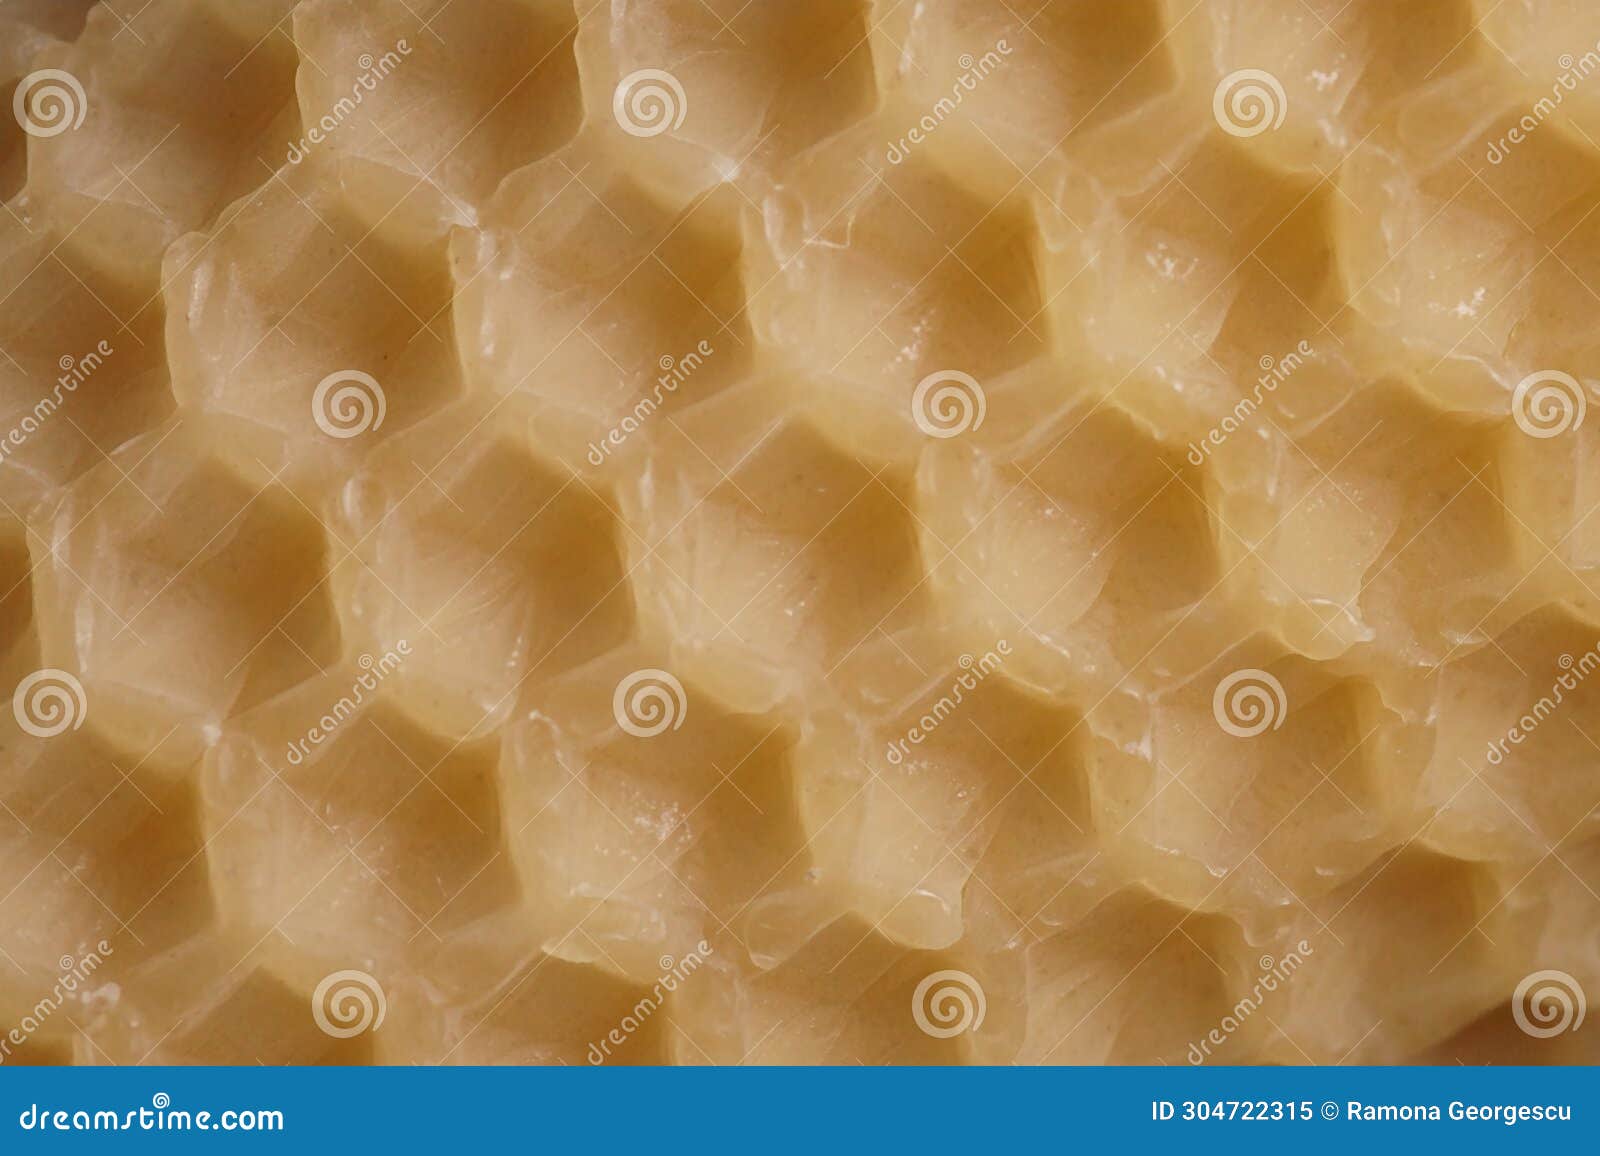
[150, 161]
[1449, 252]
[1025, 79]
[645, 816]
[760, 554]
[1378, 956]
[594, 307]
[300, 336]
[328, 802]
[1512, 769]
[724, 90]
[1124, 985]
[427, 105]
[494, 569]
[1255, 786]
[928, 761]
[1079, 543]
[176, 592]
[1213, 248]
[872, 282]
[81, 364]
[96, 843]
[1381, 498]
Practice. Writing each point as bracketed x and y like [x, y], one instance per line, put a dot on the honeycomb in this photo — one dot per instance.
[732, 531]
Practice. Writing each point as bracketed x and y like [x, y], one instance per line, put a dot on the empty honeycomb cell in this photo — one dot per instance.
[303, 337]
[1257, 780]
[1180, 257]
[1377, 497]
[81, 366]
[1453, 255]
[1130, 980]
[1078, 542]
[176, 593]
[724, 90]
[158, 161]
[427, 106]
[919, 771]
[491, 567]
[1512, 766]
[762, 554]
[873, 282]
[1397, 999]
[1025, 80]
[600, 360]
[646, 863]
[356, 809]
